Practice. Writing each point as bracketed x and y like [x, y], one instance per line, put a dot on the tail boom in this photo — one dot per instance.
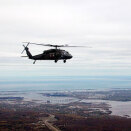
[28, 53]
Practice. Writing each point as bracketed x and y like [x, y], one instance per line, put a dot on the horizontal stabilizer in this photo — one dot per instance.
[24, 56]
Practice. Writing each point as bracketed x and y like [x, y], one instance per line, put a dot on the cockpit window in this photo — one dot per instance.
[65, 53]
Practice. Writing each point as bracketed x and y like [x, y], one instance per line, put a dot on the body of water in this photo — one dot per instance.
[117, 107]
[65, 83]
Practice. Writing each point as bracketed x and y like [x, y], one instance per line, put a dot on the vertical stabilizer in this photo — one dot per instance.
[28, 53]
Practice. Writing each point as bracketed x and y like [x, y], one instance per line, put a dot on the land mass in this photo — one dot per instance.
[78, 111]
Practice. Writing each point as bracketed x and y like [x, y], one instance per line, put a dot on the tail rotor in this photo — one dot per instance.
[25, 46]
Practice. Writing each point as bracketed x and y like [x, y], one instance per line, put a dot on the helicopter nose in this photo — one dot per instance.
[71, 56]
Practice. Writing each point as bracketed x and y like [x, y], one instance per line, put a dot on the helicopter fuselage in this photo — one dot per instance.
[53, 54]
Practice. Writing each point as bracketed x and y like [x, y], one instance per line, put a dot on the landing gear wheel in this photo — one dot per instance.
[34, 62]
[56, 61]
[64, 61]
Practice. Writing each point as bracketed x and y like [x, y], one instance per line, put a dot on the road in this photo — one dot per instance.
[49, 125]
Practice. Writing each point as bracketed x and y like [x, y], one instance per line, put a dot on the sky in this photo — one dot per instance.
[101, 24]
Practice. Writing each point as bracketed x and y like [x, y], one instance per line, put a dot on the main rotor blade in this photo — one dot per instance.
[25, 42]
[41, 44]
[57, 45]
[47, 45]
[78, 46]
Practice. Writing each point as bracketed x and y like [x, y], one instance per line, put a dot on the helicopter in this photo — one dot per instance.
[50, 54]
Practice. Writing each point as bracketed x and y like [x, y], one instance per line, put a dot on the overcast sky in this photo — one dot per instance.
[105, 25]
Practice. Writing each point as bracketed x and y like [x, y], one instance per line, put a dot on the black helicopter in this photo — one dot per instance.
[51, 54]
